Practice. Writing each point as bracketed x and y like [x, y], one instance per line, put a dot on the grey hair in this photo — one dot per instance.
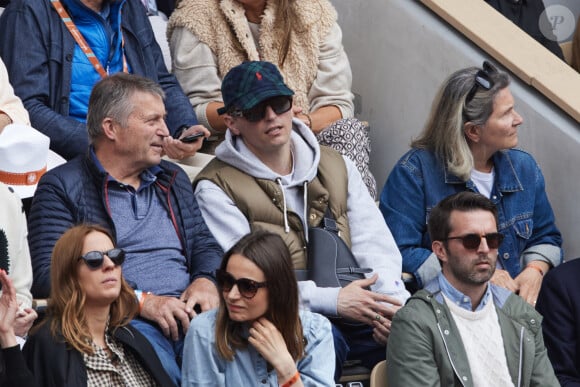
[443, 133]
[111, 98]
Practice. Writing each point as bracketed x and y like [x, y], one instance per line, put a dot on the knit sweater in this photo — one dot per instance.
[481, 336]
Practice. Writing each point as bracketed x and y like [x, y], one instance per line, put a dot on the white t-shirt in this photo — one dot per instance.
[483, 181]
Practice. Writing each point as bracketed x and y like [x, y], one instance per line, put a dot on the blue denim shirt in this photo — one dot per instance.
[41, 70]
[202, 365]
[419, 181]
[459, 298]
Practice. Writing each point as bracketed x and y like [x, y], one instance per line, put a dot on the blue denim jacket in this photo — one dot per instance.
[202, 365]
[38, 51]
[419, 181]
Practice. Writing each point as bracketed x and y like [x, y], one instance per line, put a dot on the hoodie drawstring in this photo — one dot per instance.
[286, 226]
[305, 194]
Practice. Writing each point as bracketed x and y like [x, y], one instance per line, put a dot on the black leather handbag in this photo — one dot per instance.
[330, 261]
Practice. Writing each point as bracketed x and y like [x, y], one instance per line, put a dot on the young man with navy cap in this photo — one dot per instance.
[270, 173]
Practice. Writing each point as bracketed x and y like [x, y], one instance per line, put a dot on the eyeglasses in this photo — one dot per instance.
[95, 259]
[279, 105]
[247, 287]
[482, 79]
[472, 241]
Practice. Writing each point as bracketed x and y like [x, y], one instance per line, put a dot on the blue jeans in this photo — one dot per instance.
[169, 352]
[356, 343]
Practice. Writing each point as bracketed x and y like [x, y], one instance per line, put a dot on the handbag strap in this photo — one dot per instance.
[301, 274]
[328, 223]
[353, 270]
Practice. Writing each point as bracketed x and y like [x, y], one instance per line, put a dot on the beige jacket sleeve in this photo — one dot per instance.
[10, 104]
[333, 82]
[195, 67]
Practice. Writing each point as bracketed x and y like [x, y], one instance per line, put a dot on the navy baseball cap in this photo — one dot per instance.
[250, 83]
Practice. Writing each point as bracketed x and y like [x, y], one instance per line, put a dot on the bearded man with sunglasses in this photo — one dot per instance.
[462, 330]
[271, 173]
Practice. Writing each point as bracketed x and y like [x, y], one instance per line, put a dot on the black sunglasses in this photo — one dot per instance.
[247, 287]
[472, 241]
[482, 79]
[279, 105]
[95, 259]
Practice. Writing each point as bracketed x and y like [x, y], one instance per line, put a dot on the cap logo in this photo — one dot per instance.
[258, 75]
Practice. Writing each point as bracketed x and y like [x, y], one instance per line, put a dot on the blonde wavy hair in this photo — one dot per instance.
[443, 133]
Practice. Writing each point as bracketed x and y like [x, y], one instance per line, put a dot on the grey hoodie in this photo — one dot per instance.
[372, 243]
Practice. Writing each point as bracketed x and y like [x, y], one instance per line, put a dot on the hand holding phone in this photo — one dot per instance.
[192, 137]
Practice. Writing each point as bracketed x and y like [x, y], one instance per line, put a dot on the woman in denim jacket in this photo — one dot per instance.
[467, 144]
[258, 336]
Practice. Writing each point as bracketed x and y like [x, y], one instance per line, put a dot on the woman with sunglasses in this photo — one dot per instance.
[258, 336]
[86, 339]
[468, 143]
[302, 37]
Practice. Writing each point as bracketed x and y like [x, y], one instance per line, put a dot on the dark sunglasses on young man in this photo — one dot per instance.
[95, 259]
[247, 287]
[472, 241]
[280, 104]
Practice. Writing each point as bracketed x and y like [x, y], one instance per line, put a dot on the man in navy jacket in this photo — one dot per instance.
[559, 303]
[148, 204]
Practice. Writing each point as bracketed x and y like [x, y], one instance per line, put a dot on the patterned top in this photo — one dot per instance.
[119, 369]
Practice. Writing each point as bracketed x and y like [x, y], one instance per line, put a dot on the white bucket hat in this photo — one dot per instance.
[24, 158]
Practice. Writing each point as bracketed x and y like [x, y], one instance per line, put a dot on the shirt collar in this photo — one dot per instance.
[459, 298]
[148, 176]
[506, 178]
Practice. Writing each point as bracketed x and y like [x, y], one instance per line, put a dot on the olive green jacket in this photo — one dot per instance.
[425, 347]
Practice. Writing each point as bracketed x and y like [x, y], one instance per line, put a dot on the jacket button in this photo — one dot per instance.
[446, 331]
[274, 200]
[533, 321]
[69, 57]
[464, 378]
[438, 310]
[506, 255]
[313, 216]
[264, 381]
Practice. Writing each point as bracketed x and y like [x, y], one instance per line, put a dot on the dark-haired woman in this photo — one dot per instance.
[258, 336]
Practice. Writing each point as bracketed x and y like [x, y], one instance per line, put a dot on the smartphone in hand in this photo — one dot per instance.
[192, 137]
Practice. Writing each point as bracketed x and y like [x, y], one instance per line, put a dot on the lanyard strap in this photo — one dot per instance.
[79, 38]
